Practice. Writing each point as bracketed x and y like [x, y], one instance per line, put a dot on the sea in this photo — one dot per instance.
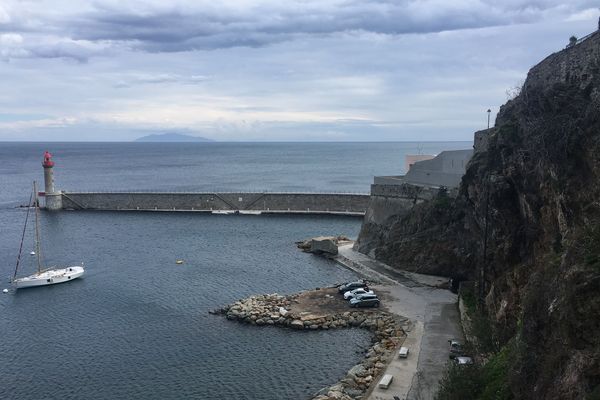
[137, 325]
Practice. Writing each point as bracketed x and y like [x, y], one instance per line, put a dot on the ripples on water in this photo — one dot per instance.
[137, 325]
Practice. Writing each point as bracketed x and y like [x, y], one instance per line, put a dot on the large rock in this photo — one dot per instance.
[324, 244]
[297, 324]
[358, 371]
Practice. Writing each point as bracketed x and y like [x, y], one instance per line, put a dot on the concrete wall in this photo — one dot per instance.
[446, 169]
[351, 204]
[389, 180]
[410, 159]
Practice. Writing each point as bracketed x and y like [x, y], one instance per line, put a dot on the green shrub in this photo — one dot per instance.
[473, 382]
[495, 375]
[460, 382]
[470, 301]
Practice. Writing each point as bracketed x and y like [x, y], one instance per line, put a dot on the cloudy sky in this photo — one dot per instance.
[349, 70]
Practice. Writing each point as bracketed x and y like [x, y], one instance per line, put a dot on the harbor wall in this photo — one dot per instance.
[313, 203]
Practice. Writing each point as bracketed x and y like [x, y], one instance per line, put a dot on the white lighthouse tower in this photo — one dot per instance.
[53, 198]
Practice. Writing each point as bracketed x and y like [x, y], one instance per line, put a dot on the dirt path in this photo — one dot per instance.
[434, 319]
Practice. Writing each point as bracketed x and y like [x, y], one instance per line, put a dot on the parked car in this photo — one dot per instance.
[403, 353]
[365, 295]
[455, 346]
[365, 301]
[351, 286]
[463, 360]
[385, 381]
[353, 293]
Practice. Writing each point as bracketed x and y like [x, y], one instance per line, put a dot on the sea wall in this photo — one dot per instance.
[340, 203]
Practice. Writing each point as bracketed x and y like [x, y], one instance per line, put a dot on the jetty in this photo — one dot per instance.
[216, 203]
[247, 203]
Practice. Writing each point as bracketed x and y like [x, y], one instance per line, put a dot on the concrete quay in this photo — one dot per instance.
[433, 318]
[350, 204]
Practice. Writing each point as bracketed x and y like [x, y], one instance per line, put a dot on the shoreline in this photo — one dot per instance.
[417, 311]
[326, 309]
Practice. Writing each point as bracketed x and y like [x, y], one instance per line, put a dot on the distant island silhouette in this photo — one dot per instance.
[172, 137]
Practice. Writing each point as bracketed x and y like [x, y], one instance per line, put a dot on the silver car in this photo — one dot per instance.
[353, 293]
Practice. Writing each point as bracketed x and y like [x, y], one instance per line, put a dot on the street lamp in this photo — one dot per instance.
[489, 111]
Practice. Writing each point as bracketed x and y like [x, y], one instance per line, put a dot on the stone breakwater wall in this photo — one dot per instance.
[274, 310]
[312, 203]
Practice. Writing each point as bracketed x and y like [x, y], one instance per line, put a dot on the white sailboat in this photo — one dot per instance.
[47, 276]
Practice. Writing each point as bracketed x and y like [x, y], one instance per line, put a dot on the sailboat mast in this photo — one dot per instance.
[22, 238]
[37, 229]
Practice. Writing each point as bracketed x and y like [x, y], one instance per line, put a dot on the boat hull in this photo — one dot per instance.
[49, 277]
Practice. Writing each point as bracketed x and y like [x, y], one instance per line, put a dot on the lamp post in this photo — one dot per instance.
[489, 111]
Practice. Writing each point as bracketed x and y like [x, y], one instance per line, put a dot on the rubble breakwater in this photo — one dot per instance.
[325, 309]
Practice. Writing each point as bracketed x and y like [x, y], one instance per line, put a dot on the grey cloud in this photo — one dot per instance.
[181, 27]
[135, 79]
[13, 46]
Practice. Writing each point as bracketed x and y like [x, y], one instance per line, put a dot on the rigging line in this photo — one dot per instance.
[23, 237]
[37, 230]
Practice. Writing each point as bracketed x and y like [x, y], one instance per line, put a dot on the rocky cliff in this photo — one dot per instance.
[526, 223]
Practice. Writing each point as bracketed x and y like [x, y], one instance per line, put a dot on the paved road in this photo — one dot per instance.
[434, 318]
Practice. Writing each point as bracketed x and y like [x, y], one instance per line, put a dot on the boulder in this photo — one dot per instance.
[357, 371]
[297, 324]
[324, 244]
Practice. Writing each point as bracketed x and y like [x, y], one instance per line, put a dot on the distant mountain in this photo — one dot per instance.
[171, 137]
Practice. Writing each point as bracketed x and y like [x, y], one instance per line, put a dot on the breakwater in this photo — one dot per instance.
[260, 202]
[324, 309]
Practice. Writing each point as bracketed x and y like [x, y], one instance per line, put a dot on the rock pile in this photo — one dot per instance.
[274, 309]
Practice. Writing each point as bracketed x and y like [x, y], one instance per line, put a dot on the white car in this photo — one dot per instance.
[403, 353]
[463, 360]
[350, 294]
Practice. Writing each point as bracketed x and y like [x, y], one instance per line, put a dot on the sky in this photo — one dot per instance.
[271, 70]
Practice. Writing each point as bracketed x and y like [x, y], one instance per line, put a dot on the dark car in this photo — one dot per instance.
[351, 286]
[456, 348]
[365, 301]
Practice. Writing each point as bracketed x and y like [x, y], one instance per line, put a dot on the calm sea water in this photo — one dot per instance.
[137, 325]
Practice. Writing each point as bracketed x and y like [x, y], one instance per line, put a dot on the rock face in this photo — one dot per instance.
[527, 222]
[273, 310]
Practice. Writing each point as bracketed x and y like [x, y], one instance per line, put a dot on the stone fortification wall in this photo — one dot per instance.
[414, 193]
[265, 202]
[481, 139]
[576, 63]
[390, 201]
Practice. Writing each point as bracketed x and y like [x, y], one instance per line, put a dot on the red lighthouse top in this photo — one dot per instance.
[48, 163]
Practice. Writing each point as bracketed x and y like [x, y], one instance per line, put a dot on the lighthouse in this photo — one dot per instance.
[53, 199]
